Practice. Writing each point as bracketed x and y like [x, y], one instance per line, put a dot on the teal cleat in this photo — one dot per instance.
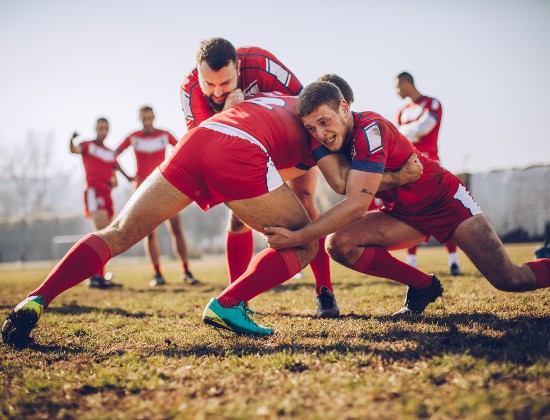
[235, 319]
[17, 328]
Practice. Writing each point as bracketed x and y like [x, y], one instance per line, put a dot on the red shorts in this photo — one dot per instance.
[95, 200]
[215, 163]
[440, 221]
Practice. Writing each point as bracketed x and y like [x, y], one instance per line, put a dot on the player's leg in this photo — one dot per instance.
[304, 188]
[141, 214]
[477, 238]
[152, 250]
[269, 268]
[239, 247]
[411, 256]
[454, 265]
[179, 245]
[363, 246]
[101, 219]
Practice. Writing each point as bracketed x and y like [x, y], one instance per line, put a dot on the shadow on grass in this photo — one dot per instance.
[74, 309]
[310, 284]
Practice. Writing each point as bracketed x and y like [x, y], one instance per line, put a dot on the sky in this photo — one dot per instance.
[65, 63]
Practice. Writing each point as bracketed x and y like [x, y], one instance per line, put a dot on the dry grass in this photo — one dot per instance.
[141, 353]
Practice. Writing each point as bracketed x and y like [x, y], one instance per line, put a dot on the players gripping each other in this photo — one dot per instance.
[149, 146]
[438, 204]
[223, 76]
[100, 166]
[233, 158]
[419, 120]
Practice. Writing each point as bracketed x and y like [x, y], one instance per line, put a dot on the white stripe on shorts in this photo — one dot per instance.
[463, 195]
[91, 198]
[273, 179]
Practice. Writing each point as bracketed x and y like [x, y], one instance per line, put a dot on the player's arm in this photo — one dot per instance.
[361, 187]
[417, 129]
[124, 174]
[73, 147]
[411, 171]
[194, 106]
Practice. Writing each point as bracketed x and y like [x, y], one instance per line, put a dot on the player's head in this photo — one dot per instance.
[404, 84]
[218, 69]
[325, 114]
[147, 116]
[341, 83]
[102, 128]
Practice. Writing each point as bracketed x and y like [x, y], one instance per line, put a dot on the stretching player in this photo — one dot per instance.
[222, 77]
[149, 146]
[207, 166]
[99, 165]
[419, 121]
[438, 205]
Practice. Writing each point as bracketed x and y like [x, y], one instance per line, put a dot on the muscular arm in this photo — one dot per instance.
[124, 174]
[72, 147]
[360, 189]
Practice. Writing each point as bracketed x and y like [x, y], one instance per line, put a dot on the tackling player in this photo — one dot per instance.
[99, 165]
[222, 77]
[419, 121]
[231, 158]
[438, 204]
[149, 146]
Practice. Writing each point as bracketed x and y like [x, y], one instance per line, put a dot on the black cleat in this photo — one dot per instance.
[454, 269]
[417, 299]
[98, 282]
[326, 304]
[188, 278]
[158, 280]
[21, 321]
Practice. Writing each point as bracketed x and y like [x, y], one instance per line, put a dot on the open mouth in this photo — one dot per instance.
[329, 141]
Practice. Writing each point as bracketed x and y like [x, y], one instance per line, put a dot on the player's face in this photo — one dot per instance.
[102, 128]
[147, 118]
[216, 85]
[399, 88]
[329, 127]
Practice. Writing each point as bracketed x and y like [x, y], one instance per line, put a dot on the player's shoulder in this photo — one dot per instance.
[190, 80]
[250, 55]
[432, 103]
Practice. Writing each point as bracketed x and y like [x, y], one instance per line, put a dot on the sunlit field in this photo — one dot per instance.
[142, 353]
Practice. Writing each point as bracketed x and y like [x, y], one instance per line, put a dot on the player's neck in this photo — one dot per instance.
[150, 130]
[414, 95]
[99, 141]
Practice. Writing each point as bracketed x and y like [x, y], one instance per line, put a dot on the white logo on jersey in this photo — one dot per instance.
[267, 101]
[252, 89]
[149, 145]
[374, 137]
[101, 153]
[280, 73]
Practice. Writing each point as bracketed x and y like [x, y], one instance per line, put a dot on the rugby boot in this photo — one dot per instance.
[417, 299]
[189, 278]
[236, 319]
[454, 269]
[326, 304]
[158, 280]
[299, 275]
[20, 322]
[98, 282]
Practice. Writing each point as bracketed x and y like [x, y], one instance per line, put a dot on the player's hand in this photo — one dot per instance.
[411, 171]
[281, 238]
[75, 135]
[233, 98]
[113, 182]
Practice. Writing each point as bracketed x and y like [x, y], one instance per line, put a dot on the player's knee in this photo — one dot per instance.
[310, 249]
[338, 247]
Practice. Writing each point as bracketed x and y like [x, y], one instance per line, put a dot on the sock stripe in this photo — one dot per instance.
[291, 260]
[100, 247]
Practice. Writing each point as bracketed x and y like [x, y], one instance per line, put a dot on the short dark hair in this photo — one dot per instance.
[146, 108]
[344, 87]
[217, 52]
[406, 76]
[102, 119]
[317, 94]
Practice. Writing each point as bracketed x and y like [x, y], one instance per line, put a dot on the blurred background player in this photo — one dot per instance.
[99, 165]
[149, 146]
[222, 77]
[419, 120]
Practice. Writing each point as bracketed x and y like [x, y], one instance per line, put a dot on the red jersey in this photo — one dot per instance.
[260, 71]
[99, 164]
[419, 121]
[271, 119]
[378, 146]
[150, 150]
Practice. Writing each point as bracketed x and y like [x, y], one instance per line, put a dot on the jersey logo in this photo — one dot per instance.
[279, 72]
[267, 101]
[252, 89]
[101, 153]
[186, 105]
[374, 137]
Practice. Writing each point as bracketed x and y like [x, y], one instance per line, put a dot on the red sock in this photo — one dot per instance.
[185, 267]
[320, 266]
[412, 251]
[239, 250]
[101, 272]
[378, 262]
[451, 246]
[157, 268]
[541, 268]
[82, 261]
[267, 270]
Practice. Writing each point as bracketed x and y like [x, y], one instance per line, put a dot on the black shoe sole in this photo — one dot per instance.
[17, 328]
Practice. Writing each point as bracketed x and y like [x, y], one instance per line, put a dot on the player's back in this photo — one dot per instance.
[271, 119]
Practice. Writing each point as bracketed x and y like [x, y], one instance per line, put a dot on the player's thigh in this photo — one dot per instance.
[154, 201]
[304, 188]
[279, 207]
[377, 228]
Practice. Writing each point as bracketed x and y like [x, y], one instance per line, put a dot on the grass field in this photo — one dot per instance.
[142, 353]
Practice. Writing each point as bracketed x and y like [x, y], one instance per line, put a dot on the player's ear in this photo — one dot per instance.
[238, 67]
[344, 106]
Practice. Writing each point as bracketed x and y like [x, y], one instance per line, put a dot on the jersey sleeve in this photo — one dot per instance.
[123, 146]
[283, 79]
[425, 123]
[83, 147]
[368, 149]
[318, 151]
[171, 139]
[193, 103]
